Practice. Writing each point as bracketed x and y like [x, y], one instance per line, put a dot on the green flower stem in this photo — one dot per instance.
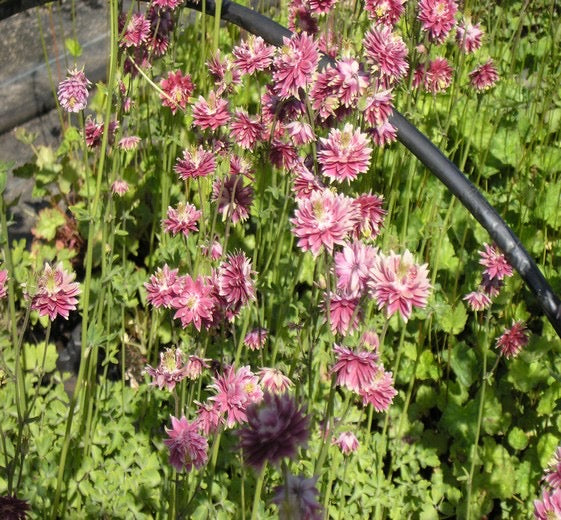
[326, 430]
[474, 450]
[257, 495]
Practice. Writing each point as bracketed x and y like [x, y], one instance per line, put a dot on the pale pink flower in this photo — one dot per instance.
[342, 312]
[468, 36]
[182, 219]
[354, 369]
[383, 134]
[344, 154]
[213, 250]
[305, 182]
[163, 286]
[209, 417]
[72, 92]
[212, 113]
[56, 292]
[233, 198]
[273, 380]
[235, 391]
[438, 75]
[301, 133]
[246, 131]
[129, 143]
[167, 4]
[553, 471]
[370, 340]
[484, 77]
[513, 340]
[294, 65]
[385, 12]
[477, 300]
[386, 51]
[437, 18]
[119, 187]
[194, 302]
[324, 95]
[352, 267]
[350, 81]
[253, 55]
[347, 442]
[371, 213]
[170, 371]
[321, 6]
[324, 219]
[177, 88]
[399, 284]
[378, 107]
[549, 507]
[496, 265]
[137, 31]
[195, 164]
[187, 447]
[195, 366]
[235, 279]
[255, 339]
[297, 498]
[379, 392]
[276, 427]
[3, 281]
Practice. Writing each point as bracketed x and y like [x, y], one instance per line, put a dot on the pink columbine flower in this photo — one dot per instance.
[370, 340]
[170, 371]
[378, 107]
[3, 280]
[212, 113]
[437, 18]
[56, 292]
[386, 12]
[347, 442]
[137, 31]
[246, 131]
[553, 471]
[399, 284]
[352, 267]
[276, 427]
[350, 82]
[119, 187]
[235, 279]
[372, 215]
[354, 369]
[178, 88]
[477, 300]
[325, 219]
[383, 134]
[93, 132]
[513, 340]
[253, 55]
[305, 182]
[273, 380]
[549, 507]
[226, 76]
[195, 366]
[129, 143]
[212, 250]
[491, 286]
[187, 447]
[379, 392]
[386, 51]
[209, 418]
[73, 91]
[235, 391]
[194, 303]
[282, 154]
[342, 312]
[496, 265]
[297, 498]
[256, 338]
[294, 65]
[321, 6]
[484, 77]
[301, 133]
[468, 36]
[163, 287]
[182, 219]
[161, 25]
[344, 154]
[324, 94]
[195, 164]
[233, 198]
[438, 75]
[167, 4]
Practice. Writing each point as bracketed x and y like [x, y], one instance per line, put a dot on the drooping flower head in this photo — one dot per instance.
[399, 284]
[3, 280]
[235, 279]
[437, 18]
[496, 265]
[297, 498]
[209, 417]
[195, 366]
[477, 300]
[276, 427]
[246, 131]
[484, 77]
[371, 216]
[233, 198]
[468, 36]
[380, 390]
[136, 32]
[235, 391]
[119, 187]
[273, 380]
[437, 75]
[72, 92]
[56, 292]
[177, 88]
[323, 220]
[386, 12]
[162, 287]
[342, 312]
[211, 114]
[352, 267]
[513, 340]
[188, 449]
[253, 55]
[182, 219]
[347, 442]
[170, 371]
[129, 143]
[354, 369]
[255, 339]
[196, 163]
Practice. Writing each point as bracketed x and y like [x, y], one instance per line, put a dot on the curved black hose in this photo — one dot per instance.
[432, 158]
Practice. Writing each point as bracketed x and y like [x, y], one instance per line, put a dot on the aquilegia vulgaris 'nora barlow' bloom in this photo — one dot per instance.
[553, 471]
[297, 498]
[495, 262]
[275, 429]
[549, 507]
[484, 77]
[182, 219]
[187, 447]
[177, 89]
[170, 371]
[513, 340]
[163, 286]
[380, 391]
[354, 369]
[73, 91]
[194, 303]
[56, 292]
[347, 442]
